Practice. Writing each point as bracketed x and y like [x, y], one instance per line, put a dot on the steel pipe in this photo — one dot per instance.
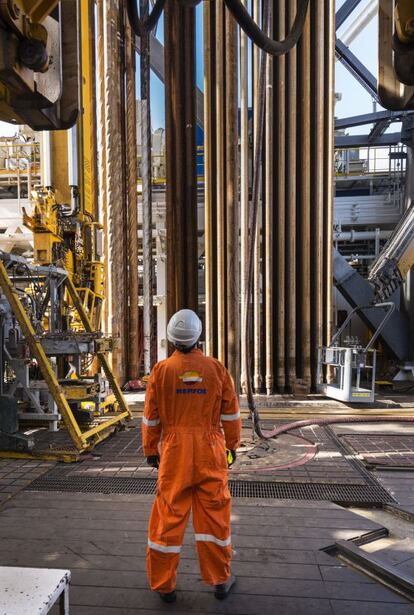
[181, 189]
[244, 188]
[146, 146]
[304, 352]
[291, 174]
[257, 284]
[268, 219]
[280, 221]
[232, 197]
[102, 179]
[116, 247]
[131, 137]
[329, 113]
[208, 177]
[317, 202]
[220, 182]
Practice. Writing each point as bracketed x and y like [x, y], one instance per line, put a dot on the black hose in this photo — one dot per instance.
[258, 36]
[258, 147]
[142, 27]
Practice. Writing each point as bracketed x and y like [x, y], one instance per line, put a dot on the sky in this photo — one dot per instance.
[355, 100]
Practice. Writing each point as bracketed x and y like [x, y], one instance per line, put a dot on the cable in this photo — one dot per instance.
[258, 36]
[258, 147]
[142, 27]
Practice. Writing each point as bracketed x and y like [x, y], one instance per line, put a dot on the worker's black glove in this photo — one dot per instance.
[231, 457]
[154, 461]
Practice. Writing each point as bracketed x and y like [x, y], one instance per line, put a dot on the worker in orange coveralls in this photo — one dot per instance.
[190, 402]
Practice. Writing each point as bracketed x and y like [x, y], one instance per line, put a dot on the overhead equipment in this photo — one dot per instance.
[39, 57]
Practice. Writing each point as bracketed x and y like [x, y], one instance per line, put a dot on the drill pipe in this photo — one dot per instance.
[291, 176]
[317, 203]
[208, 177]
[131, 136]
[303, 350]
[102, 179]
[244, 188]
[232, 213]
[220, 180]
[328, 166]
[113, 155]
[257, 284]
[146, 192]
[181, 193]
[268, 226]
[279, 278]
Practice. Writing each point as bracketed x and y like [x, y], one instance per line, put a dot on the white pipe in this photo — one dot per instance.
[360, 235]
[46, 159]
[360, 22]
[73, 171]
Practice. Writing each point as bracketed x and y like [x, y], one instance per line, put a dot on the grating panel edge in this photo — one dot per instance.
[339, 493]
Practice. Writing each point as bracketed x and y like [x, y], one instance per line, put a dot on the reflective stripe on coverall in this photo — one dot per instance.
[190, 401]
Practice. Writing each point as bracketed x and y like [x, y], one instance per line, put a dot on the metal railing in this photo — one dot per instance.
[380, 160]
[19, 167]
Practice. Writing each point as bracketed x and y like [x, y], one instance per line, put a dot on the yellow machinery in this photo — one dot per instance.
[52, 350]
[24, 342]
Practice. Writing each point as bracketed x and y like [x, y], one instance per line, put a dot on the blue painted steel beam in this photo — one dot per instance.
[344, 12]
[357, 69]
[370, 118]
[355, 141]
[358, 291]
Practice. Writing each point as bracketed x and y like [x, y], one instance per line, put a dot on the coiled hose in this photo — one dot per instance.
[143, 27]
[258, 36]
[240, 14]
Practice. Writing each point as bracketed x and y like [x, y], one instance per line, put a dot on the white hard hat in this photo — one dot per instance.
[184, 328]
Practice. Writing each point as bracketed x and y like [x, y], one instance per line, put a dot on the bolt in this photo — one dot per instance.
[410, 26]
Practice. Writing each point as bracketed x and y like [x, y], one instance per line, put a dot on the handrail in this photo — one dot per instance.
[388, 304]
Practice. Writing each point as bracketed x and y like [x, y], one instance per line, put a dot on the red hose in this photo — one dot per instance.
[331, 421]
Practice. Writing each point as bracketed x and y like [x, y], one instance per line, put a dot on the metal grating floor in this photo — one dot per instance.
[340, 494]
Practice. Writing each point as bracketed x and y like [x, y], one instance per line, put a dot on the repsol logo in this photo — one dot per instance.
[191, 391]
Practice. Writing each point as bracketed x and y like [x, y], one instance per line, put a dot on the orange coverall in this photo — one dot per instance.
[189, 398]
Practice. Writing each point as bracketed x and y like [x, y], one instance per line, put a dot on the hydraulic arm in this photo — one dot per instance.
[396, 259]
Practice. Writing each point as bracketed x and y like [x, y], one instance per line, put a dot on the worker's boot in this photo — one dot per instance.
[169, 598]
[223, 590]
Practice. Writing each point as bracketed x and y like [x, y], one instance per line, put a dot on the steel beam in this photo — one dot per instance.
[345, 11]
[357, 291]
[370, 118]
[357, 69]
[378, 129]
[355, 141]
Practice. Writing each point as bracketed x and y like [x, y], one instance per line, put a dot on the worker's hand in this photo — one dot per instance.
[231, 456]
[154, 461]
